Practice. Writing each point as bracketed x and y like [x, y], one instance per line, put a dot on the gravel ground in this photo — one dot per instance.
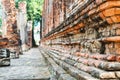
[30, 65]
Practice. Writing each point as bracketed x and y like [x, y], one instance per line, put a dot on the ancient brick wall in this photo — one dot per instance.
[29, 31]
[10, 23]
[88, 29]
[22, 25]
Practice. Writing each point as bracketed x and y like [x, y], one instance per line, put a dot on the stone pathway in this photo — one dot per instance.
[30, 65]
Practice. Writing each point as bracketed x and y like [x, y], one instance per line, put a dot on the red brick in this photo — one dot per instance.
[109, 20]
[118, 58]
[102, 15]
[111, 58]
[115, 19]
[109, 12]
[109, 4]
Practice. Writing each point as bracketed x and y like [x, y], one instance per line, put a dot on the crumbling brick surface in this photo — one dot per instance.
[10, 23]
[87, 29]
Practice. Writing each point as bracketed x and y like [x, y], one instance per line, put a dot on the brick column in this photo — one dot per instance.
[22, 25]
[10, 24]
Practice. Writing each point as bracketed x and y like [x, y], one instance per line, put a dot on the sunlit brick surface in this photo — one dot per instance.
[87, 29]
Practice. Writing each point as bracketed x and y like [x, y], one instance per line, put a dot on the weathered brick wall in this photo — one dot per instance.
[29, 31]
[88, 29]
[10, 24]
[22, 25]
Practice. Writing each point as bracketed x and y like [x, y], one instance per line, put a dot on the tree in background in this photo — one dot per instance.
[0, 22]
[0, 26]
[34, 12]
[0, 19]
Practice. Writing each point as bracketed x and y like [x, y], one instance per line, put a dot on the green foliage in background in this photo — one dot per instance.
[34, 9]
[34, 13]
[0, 16]
[0, 26]
[0, 22]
